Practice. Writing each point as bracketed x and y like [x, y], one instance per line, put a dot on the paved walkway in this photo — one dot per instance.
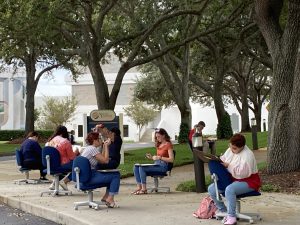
[166, 209]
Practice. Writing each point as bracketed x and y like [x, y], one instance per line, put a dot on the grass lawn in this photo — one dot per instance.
[7, 149]
[183, 152]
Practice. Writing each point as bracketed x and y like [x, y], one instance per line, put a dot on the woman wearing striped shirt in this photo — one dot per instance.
[92, 153]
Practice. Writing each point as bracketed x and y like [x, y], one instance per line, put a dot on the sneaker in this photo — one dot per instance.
[229, 220]
[63, 185]
[220, 213]
[52, 186]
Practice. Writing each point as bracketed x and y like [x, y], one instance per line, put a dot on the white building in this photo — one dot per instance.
[12, 99]
[84, 90]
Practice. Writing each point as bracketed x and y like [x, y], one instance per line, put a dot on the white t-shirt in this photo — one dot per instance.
[241, 165]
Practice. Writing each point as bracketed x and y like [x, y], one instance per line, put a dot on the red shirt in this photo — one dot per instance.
[253, 181]
[64, 147]
[162, 150]
[191, 133]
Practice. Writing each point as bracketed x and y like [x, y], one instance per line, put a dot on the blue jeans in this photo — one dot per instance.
[140, 172]
[111, 181]
[68, 167]
[228, 188]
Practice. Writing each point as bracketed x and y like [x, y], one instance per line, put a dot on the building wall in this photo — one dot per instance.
[12, 91]
[86, 94]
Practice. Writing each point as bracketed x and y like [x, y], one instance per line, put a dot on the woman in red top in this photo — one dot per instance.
[60, 141]
[164, 155]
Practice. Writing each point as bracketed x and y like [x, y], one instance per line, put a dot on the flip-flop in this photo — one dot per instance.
[135, 192]
[141, 192]
[111, 205]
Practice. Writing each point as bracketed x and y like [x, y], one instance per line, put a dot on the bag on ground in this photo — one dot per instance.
[206, 210]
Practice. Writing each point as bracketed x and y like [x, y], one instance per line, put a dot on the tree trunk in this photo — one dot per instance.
[257, 114]
[245, 114]
[284, 119]
[100, 84]
[218, 89]
[31, 86]
[117, 85]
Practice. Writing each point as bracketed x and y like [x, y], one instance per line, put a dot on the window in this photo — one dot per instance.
[80, 131]
[125, 130]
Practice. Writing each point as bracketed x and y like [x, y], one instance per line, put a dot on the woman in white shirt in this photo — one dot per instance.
[237, 174]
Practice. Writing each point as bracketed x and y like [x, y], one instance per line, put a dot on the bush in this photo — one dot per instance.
[8, 135]
[269, 188]
[224, 129]
[190, 186]
[183, 133]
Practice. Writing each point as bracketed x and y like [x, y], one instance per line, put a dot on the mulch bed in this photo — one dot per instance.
[285, 182]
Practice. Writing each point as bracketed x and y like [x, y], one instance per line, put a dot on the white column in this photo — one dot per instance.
[10, 122]
[84, 132]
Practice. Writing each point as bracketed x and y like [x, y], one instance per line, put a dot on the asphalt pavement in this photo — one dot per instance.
[12, 216]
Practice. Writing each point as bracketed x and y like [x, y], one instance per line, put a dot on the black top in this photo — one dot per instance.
[114, 155]
[115, 148]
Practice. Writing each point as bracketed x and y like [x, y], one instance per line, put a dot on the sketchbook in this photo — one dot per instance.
[145, 164]
[206, 157]
[109, 170]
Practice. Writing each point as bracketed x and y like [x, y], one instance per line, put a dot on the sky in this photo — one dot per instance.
[55, 86]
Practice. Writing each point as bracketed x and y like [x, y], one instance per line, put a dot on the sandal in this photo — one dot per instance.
[103, 200]
[111, 205]
[135, 192]
[142, 192]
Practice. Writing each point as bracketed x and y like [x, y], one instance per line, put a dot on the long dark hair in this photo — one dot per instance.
[60, 130]
[163, 132]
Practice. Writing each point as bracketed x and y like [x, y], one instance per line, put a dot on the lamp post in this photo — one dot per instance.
[254, 134]
[197, 142]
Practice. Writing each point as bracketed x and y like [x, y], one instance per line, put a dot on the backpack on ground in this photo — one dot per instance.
[206, 210]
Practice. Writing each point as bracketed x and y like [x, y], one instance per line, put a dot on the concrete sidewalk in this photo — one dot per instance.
[167, 209]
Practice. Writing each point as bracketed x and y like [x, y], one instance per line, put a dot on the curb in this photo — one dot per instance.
[43, 212]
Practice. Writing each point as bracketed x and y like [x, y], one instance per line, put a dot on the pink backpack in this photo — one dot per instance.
[206, 210]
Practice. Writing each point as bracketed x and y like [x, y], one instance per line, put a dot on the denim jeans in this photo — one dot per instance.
[140, 172]
[67, 166]
[228, 188]
[231, 191]
[110, 179]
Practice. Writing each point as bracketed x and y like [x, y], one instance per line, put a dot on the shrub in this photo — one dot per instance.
[8, 135]
[224, 129]
[183, 133]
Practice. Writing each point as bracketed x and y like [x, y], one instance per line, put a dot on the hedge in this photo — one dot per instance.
[8, 135]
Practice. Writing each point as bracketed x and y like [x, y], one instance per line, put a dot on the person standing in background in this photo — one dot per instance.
[200, 127]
